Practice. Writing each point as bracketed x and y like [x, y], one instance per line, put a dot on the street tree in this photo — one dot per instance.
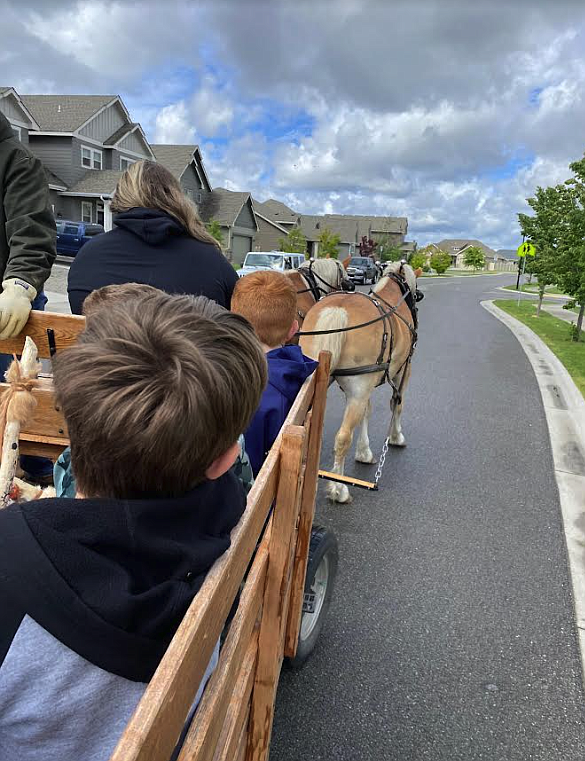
[417, 260]
[294, 243]
[571, 263]
[214, 229]
[328, 244]
[474, 257]
[546, 229]
[440, 262]
[386, 251]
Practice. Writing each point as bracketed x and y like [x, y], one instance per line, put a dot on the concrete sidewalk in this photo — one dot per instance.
[563, 314]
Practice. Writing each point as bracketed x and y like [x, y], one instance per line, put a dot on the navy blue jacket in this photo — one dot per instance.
[149, 246]
[288, 369]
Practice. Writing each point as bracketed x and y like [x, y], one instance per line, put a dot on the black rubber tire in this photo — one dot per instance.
[323, 543]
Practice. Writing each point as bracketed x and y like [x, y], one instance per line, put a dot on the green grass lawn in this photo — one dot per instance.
[555, 333]
[533, 288]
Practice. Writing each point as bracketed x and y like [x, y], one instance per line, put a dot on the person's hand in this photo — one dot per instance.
[15, 305]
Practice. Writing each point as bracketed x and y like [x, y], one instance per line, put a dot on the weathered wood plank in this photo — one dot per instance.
[203, 735]
[307, 511]
[239, 709]
[66, 328]
[275, 602]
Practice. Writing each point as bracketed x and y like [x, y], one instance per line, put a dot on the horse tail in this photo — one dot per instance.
[331, 318]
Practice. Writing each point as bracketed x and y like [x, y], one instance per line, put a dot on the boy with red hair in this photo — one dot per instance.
[268, 300]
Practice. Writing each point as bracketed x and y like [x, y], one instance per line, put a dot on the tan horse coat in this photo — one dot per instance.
[358, 348]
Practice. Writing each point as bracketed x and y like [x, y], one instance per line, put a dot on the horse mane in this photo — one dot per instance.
[330, 270]
[394, 267]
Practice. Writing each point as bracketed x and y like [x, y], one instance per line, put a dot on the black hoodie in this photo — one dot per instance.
[91, 593]
[152, 247]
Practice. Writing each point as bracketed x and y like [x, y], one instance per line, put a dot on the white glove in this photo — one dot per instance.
[15, 304]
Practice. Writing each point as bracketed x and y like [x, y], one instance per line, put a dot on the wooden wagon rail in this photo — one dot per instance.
[266, 563]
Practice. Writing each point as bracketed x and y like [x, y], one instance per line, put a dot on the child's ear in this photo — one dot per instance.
[223, 463]
[294, 329]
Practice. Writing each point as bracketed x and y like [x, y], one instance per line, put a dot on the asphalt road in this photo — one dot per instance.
[451, 635]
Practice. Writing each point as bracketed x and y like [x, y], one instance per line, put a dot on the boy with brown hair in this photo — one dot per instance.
[268, 300]
[63, 476]
[92, 589]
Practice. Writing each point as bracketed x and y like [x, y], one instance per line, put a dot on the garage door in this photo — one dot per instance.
[241, 244]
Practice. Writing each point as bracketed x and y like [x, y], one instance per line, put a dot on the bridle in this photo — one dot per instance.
[313, 278]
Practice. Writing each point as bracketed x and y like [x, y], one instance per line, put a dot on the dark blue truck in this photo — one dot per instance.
[71, 236]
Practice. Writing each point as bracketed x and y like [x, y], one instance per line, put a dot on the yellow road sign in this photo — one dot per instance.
[526, 249]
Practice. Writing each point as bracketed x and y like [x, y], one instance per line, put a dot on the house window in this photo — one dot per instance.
[86, 211]
[16, 130]
[198, 196]
[91, 158]
[125, 163]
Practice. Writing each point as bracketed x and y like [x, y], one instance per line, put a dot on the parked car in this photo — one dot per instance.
[270, 260]
[361, 269]
[71, 236]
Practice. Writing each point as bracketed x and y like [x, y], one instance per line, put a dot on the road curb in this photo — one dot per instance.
[564, 408]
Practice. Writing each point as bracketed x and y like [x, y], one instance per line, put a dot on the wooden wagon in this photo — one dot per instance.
[281, 604]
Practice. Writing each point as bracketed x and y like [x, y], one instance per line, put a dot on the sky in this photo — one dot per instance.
[448, 112]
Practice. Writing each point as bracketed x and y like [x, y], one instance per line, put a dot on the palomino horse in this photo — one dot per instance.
[386, 341]
[316, 278]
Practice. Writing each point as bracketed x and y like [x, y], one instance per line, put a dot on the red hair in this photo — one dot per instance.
[268, 300]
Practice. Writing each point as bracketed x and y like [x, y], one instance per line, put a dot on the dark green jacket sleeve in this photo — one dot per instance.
[30, 226]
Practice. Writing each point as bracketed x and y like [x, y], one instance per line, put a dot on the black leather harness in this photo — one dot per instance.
[385, 313]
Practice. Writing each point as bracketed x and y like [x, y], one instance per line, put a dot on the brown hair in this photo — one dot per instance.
[110, 293]
[155, 390]
[269, 301]
[150, 185]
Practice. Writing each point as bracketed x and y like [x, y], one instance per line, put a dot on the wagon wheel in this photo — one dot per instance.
[319, 582]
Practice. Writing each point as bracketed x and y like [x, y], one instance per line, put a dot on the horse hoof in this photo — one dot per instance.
[366, 457]
[399, 441]
[339, 493]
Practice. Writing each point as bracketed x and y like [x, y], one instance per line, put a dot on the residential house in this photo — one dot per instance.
[351, 229]
[186, 164]
[84, 141]
[275, 220]
[456, 248]
[235, 213]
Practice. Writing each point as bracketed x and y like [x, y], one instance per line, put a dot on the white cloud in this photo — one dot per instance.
[173, 125]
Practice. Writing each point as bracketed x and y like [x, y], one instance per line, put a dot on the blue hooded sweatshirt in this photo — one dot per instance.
[288, 368]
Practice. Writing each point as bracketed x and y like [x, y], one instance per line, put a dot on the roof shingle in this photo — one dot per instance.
[174, 157]
[102, 181]
[64, 113]
[222, 205]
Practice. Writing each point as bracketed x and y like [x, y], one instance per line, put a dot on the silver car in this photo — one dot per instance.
[270, 260]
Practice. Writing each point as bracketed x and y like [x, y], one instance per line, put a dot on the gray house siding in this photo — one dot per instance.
[105, 124]
[192, 186]
[201, 172]
[245, 218]
[133, 143]
[268, 237]
[24, 136]
[56, 153]
[77, 170]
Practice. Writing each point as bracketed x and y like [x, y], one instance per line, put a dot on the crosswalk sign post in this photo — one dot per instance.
[525, 249]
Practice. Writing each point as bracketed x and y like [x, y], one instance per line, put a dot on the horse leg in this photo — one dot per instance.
[396, 438]
[363, 453]
[354, 412]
